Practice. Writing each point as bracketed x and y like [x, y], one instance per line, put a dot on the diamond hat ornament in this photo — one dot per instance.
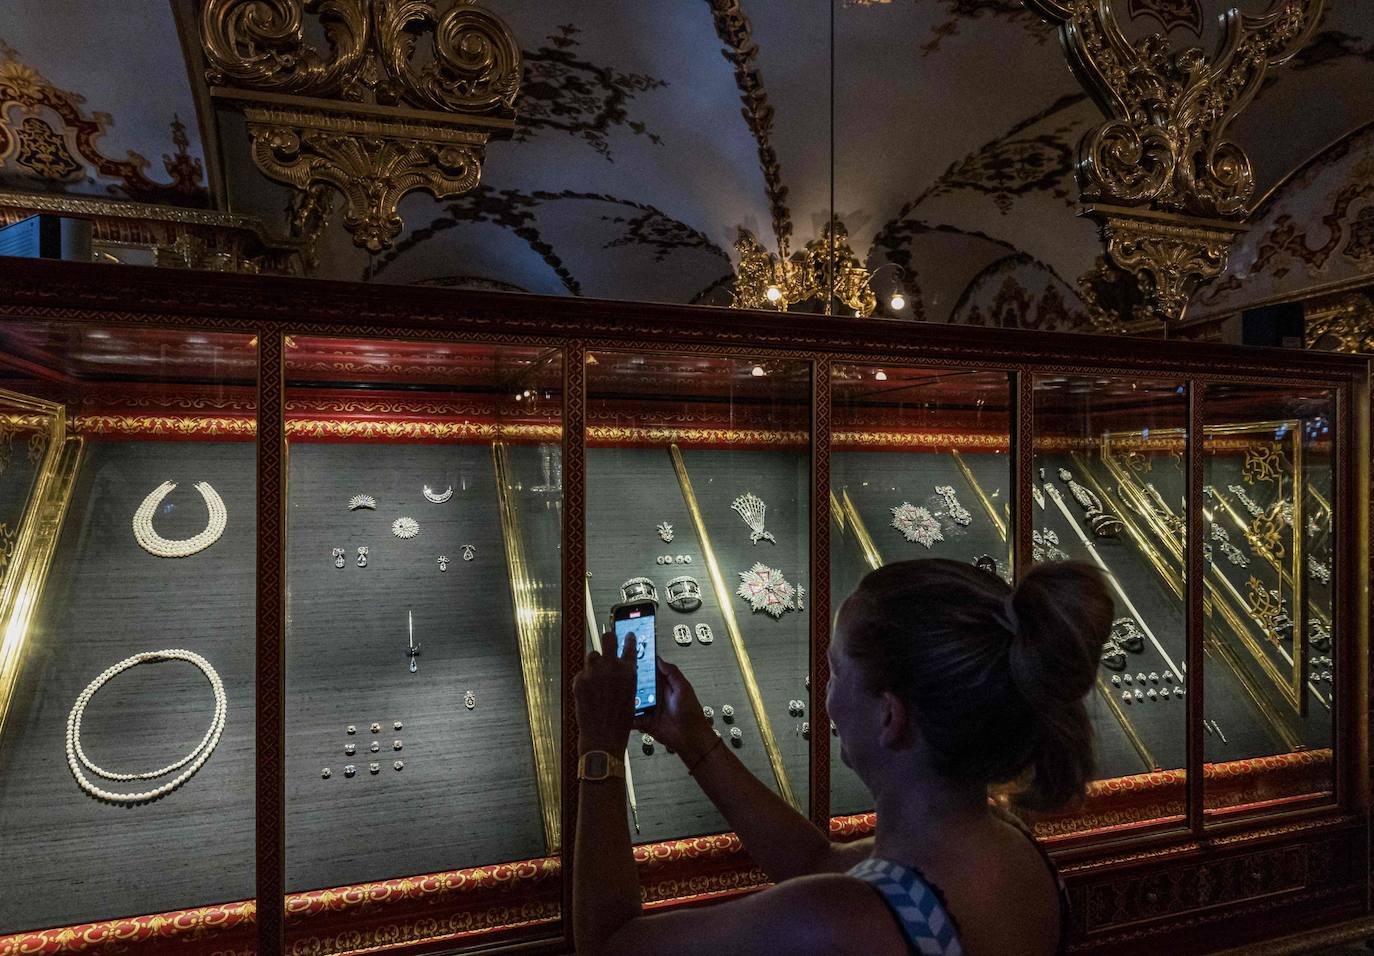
[766, 590]
[751, 508]
[405, 527]
[916, 523]
[362, 501]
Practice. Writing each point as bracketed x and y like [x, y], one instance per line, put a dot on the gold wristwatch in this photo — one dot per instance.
[599, 765]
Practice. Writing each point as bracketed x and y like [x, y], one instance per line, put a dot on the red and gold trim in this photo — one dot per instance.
[225, 928]
[1158, 796]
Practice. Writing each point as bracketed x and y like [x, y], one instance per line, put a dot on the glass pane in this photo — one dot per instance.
[423, 612]
[103, 563]
[928, 442]
[1109, 489]
[1267, 505]
[700, 468]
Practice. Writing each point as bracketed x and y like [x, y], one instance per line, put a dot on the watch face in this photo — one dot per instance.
[594, 765]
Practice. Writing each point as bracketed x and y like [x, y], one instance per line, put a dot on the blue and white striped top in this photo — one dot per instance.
[917, 905]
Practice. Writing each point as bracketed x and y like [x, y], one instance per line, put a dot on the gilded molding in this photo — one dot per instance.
[364, 119]
[1163, 146]
[373, 164]
[1169, 256]
[177, 235]
[1345, 324]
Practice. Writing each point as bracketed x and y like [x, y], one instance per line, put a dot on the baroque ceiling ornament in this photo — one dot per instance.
[1163, 147]
[55, 141]
[766, 281]
[364, 118]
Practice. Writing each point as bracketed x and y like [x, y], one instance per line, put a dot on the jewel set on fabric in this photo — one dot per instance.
[920, 525]
[1164, 686]
[405, 528]
[374, 767]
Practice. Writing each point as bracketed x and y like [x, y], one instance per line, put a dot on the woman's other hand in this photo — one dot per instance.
[605, 695]
[678, 721]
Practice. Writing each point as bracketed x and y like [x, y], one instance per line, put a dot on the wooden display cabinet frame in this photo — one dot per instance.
[1261, 869]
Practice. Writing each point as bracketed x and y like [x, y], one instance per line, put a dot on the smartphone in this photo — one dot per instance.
[637, 618]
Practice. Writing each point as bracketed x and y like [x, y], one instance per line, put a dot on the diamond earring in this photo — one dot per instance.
[362, 556]
[443, 562]
[338, 557]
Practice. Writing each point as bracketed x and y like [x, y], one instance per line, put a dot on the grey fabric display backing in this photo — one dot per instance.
[877, 482]
[67, 856]
[1316, 727]
[468, 792]
[1161, 724]
[629, 492]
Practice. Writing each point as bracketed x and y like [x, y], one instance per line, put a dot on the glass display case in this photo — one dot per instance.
[294, 578]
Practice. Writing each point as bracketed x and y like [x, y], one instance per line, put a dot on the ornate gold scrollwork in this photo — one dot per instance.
[372, 165]
[371, 130]
[1345, 324]
[1163, 144]
[1168, 257]
[476, 63]
[261, 45]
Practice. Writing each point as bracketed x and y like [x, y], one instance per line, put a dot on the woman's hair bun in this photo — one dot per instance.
[1063, 615]
[994, 678]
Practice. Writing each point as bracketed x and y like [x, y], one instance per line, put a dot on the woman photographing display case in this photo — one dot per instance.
[944, 682]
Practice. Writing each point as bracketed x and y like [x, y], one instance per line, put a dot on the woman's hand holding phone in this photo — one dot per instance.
[678, 721]
[605, 693]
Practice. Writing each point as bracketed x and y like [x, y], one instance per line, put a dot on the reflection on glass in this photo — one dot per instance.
[919, 468]
[423, 608]
[698, 478]
[127, 528]
[1267, 507]
[1108, 489]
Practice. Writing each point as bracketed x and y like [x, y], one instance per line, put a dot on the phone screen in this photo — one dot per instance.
[639, 621]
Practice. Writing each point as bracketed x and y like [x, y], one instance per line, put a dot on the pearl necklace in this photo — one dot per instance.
[152, 542]
[76, 757]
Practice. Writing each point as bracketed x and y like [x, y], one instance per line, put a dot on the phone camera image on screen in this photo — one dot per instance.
[640, 623]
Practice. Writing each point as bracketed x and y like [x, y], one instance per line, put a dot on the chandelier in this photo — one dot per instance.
[767, 281]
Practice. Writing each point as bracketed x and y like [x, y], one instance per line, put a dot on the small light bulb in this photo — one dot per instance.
[758, 371]
[898, 301]
[880, 375]
[774, 293]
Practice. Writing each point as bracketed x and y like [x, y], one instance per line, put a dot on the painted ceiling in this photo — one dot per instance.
[650, 131]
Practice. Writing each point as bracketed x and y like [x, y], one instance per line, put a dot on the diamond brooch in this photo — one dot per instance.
[439, 498]
[362, 501]
[767, 590]
[916, 524]
[405, 528]
[665, 532]
[750, 507]
[957, 512]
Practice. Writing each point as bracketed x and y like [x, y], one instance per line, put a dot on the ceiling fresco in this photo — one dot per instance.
[650, 132]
